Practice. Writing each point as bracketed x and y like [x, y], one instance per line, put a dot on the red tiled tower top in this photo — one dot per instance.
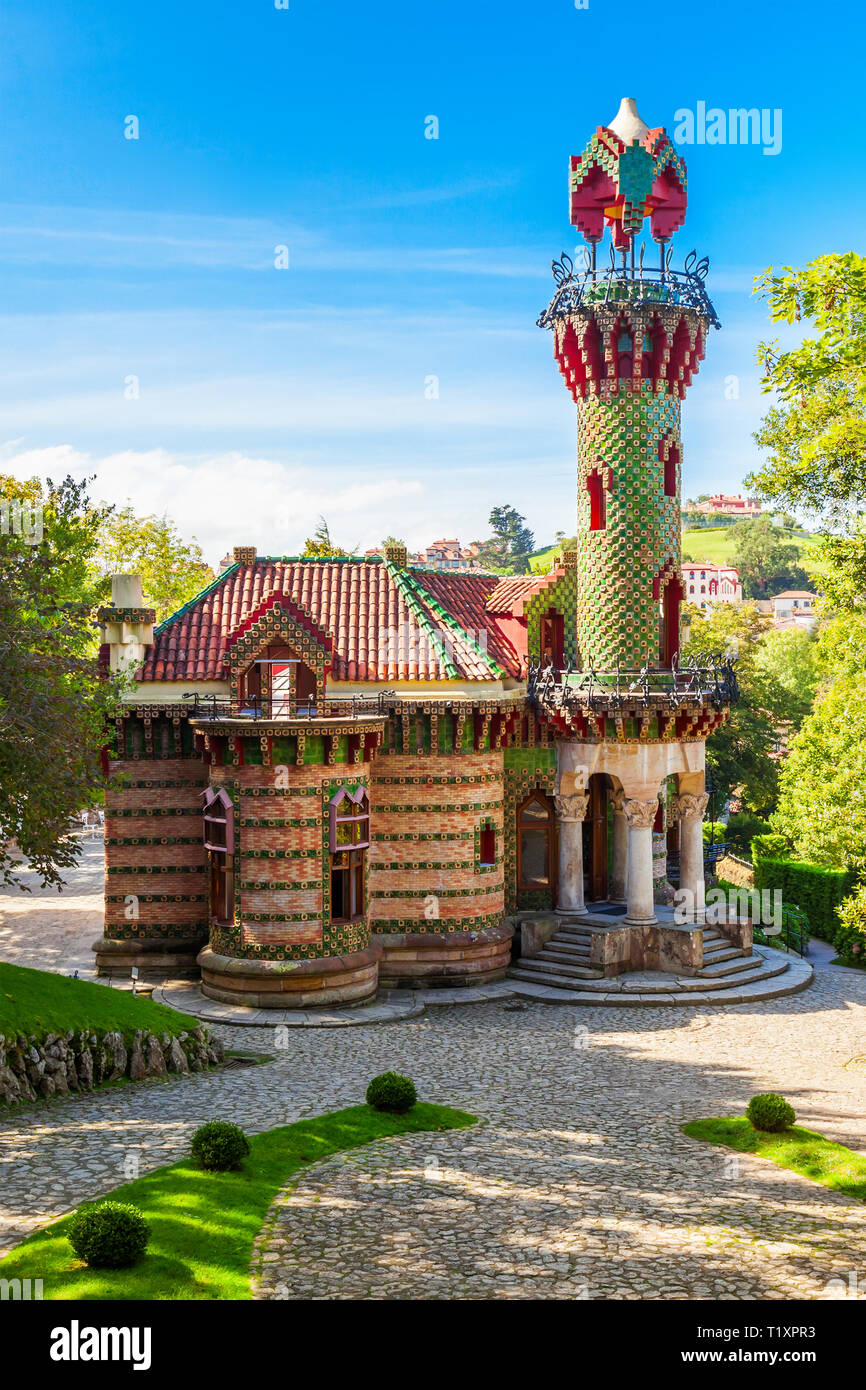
[384, 623]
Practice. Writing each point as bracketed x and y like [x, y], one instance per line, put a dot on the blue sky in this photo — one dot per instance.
[267, 396]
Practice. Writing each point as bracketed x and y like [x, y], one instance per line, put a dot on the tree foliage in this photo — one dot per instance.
[54, 705]
[172, 570]
[822, 795]
[320, 545]
[766, 561]
[509, 548]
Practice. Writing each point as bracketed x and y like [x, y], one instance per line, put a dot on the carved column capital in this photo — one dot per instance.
[571, 808]
[640, 815]
[691, 806]
[617, 801]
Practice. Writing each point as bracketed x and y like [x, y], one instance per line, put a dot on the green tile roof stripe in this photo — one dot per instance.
[407, 588]
[191, 603]
[445, 617]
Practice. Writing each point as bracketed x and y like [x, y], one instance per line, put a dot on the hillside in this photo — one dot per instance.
[713, 543]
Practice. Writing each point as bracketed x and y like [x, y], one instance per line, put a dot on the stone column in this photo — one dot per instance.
[571, 812]
[690, 809]
[620, 848]
[639, 816]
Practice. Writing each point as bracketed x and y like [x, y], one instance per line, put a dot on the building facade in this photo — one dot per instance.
[335, 775]
[726, 504]
[705, 584]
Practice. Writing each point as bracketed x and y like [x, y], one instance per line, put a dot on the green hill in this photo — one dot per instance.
[713, 543]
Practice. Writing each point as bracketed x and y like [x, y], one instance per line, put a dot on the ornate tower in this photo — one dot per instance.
[631, 718]
[628, 338]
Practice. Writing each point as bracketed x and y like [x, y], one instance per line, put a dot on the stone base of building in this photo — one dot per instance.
[656, 946]
[157, 958]
[421, 960]
[290, 984]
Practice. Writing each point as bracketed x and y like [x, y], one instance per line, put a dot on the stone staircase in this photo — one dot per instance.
[562, 968]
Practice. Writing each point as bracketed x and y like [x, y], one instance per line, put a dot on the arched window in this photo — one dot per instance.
[349, 839]
[535, 826]
[219, 841]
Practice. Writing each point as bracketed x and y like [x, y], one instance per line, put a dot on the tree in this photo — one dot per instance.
[822, 795]
[511, 544]
[786, 663]
[172, 570]
[320, 545]
[816, 433]
[767, 563]
[54, 703]
[739, 755]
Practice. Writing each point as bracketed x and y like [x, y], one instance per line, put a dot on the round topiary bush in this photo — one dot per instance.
[391, 1092]
[110, 1235]
[219, 1146]
[770, 1112]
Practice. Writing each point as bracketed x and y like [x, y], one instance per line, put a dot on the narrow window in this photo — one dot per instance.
[218, 833]
[597, 505]
[671, 463]
[350, 836]
[535, 844]
[488, 847]
[625, 354]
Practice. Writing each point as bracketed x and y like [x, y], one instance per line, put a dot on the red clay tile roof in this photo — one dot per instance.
[383, 627]
[511, 593]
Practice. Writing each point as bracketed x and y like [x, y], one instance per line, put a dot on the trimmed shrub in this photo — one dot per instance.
[219, 1146]
[816, 890]
[742, 828]
[110, 1235]
[850, 937]
[391, 1092]
[770, 1113]
[768, 846]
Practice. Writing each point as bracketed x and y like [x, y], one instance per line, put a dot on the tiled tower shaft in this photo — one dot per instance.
[628, 368]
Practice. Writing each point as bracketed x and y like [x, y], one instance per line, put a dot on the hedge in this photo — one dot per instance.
[817, 891]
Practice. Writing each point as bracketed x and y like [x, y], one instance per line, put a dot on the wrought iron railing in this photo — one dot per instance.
[629, 282]
[714, 683]
[214, 708]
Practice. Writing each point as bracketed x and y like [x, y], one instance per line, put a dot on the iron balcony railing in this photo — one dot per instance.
[353, 707]
[629, 282]
[714, 683]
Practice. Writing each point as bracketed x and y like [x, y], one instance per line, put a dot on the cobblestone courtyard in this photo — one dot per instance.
[578, 1183]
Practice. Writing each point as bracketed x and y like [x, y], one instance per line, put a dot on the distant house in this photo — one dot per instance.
[705, 584]
[726, 505]
[795, 608]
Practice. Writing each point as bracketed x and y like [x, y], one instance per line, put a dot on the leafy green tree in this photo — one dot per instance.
[786, 663]
[822, 795]
[511, 544]
[740, 754]
[816, 433]
[320, 545]
[172, 570]
[767, 563]
[54, 702]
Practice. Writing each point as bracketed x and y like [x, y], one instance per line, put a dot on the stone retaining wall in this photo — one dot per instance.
[58, 1064]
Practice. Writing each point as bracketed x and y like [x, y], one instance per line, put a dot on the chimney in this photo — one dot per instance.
[244, 555]
[395, 555]
[126, 626]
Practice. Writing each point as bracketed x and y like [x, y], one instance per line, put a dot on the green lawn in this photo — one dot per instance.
[713, 543]
[38, 1002]
[800, 1150]
[203, 1225]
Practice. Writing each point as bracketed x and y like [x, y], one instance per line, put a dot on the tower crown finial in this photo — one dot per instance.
[627, 123]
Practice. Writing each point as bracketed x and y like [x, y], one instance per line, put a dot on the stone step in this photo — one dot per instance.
[719, 953]
[714, 968]
[574, 933]
[580, 948]
[563, 957]
[536, 967]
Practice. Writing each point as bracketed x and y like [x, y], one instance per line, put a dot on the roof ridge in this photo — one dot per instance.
[190, 603]
[442, 612]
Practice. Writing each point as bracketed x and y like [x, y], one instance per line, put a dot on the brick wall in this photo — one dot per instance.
[156, 871]
[427, 812]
